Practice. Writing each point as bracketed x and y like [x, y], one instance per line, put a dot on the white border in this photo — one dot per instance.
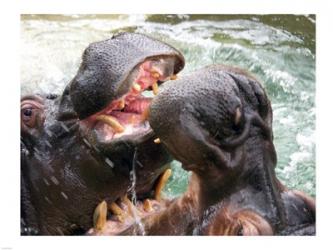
[9, 130]
[171, 6]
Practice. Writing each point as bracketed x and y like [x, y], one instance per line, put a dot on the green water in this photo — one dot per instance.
[278, 49]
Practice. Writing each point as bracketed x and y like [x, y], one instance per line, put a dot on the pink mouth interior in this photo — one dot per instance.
[130, 115]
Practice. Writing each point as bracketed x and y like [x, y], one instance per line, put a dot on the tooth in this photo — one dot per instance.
[147, 206]
[120, 218]
[157, 141]
[116, 210]
[129, 205]
[173, 77]
[161, 184]
[122, 103]
[99, 217]
[132, 209]
[155, 88]
[112, 122]
[155, 75]
[145, 114]
[137, 87]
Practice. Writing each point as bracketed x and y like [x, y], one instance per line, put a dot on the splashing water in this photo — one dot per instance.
[278, 49]
[134, 197]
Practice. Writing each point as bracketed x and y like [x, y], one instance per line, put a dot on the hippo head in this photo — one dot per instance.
[84, 146]
[207, 119]
[218, 122]
[210, 113]
[107, 92]
[219, 127]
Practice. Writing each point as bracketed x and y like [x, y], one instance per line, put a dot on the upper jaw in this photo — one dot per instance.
[108, 66]
[125, 119]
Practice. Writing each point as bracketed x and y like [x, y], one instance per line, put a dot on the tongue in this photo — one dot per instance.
[127, 118]
[139, 105]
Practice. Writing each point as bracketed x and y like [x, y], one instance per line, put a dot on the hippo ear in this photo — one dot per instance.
[66, 109]
[254, 94]
[249, 118]
[264, 104]
[230, 152]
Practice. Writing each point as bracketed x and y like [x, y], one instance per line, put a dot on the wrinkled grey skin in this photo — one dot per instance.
[65, 174]
[100, 80]
[219, 126]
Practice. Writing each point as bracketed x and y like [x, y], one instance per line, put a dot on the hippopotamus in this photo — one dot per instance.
[217, 121]
[92, 144]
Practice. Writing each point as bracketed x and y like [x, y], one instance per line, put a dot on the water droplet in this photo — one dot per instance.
[64, 126]
[54, 180]
[109, 162]
[38, 157]
[46, 182]
[25, 152]
[86, 142]
[47, 199]
[64, 195]
[48, 144]
[139, 163]
[96, 149]
[60, 231]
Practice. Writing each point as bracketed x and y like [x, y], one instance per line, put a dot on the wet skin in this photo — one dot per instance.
[79, 149]
[219, 127]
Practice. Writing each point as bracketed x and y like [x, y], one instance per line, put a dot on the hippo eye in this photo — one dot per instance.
[29, 115]
[27, 112]
[32, 112]
[240, 231]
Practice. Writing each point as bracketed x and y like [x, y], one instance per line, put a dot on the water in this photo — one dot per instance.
[278, 49]
[132, 192]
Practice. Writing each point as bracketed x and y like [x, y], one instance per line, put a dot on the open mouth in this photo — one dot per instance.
[127, 115]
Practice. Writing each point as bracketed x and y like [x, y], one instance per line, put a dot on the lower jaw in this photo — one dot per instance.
[133, 139]
[103, 135]
[128, 217]
[114, 218]
[119, 220]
